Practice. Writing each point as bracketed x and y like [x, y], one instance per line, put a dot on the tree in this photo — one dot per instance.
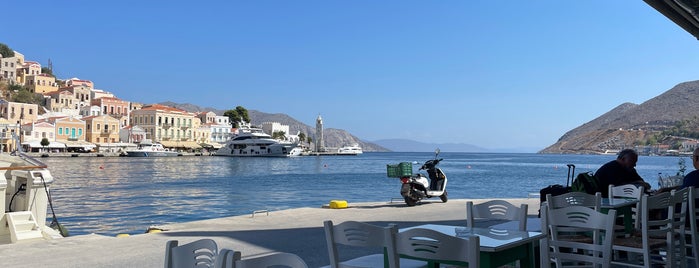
[309, 140]
[26, 96]
[279, 135]
[302, 137]
[6, 51]
[237, 116]
[46, 70]
[45, 142]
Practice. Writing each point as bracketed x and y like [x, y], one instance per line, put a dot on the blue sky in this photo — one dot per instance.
[496, 74]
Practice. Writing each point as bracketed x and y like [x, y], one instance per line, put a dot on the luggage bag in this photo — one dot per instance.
[557, 189]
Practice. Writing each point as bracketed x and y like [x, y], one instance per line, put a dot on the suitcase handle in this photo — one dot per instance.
[570, 166]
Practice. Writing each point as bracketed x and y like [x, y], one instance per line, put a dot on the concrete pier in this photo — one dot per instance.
[299, 231]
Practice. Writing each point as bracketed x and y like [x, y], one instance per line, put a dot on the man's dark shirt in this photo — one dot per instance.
[691, 179]
[615, 174]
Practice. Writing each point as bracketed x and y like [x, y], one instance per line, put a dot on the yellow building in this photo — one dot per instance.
[17, 112]
[101, 129]
[41, 83]
[170, 126]
[8, 130]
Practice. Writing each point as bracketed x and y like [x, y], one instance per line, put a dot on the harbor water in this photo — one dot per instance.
[112, 195]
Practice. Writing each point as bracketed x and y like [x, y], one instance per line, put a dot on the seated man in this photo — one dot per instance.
[692, 178]
[620, 171]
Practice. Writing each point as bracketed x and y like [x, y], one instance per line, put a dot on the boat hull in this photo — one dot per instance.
[150, 154]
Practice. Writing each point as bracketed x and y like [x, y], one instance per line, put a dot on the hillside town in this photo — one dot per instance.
[74, 116]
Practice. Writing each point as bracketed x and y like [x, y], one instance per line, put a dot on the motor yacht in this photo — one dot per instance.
[149, 149]
[253, 142]
[353, 149]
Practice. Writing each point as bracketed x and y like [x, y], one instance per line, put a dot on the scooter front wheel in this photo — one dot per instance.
[444, 197]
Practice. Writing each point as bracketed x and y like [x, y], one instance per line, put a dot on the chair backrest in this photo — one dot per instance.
[596, 251]
[656, 217]
[575, 199]
[692, 217]
[359, 234]
[277, 259]
[497, 210]
[625, 191]
[678, 206]
[426, 244]
[630, 191]
[200, 253]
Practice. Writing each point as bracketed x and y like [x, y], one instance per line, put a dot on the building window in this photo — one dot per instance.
[60, 131]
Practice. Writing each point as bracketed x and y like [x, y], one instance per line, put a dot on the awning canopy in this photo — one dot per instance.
[180, 144]
[79, 144]
[52, 145]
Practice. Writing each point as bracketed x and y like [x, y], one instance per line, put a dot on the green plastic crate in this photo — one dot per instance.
[404, 169]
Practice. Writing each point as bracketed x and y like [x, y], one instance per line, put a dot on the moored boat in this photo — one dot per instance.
[24, 188]
[148, 149]
[353, 149]
[253, 142]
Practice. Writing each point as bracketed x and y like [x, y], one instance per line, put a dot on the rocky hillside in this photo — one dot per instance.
[334, 138]
[631, 124]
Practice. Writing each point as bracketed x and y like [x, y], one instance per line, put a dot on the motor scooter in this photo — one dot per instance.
[417, 187]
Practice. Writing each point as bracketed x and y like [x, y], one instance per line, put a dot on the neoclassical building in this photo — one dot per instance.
[170, 126]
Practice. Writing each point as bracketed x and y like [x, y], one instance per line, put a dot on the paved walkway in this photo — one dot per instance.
[299, 231]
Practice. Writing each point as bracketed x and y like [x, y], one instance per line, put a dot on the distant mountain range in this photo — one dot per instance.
[335, 138]
[629, 124]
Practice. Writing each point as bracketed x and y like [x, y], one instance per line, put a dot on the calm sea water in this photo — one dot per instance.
[111, 195]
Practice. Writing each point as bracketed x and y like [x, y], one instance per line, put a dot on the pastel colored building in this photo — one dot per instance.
[8, 135]
[132, 134]
[82, 94]
[170, 126]
[8, 69]
[114, 107]
[101, 129]
[79, 82]
[18, 112]
[41, 83]
[61, 101]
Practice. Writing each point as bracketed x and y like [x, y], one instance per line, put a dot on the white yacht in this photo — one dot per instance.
[353, 149]
[148, 149]
[25, 198]
[254, 142]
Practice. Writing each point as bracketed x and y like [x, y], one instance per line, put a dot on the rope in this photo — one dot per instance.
[54, 222]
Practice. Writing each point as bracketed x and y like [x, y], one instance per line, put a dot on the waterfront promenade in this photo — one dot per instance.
[299, 231]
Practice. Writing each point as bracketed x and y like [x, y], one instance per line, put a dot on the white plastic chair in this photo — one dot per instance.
[497, 210]
[430, 245]
[656, 233]
[596, 252]
[678, 201]
[359, 234]
[200, 253]
[575, 199]
[693, 232]
[628, 191]
[277, 259]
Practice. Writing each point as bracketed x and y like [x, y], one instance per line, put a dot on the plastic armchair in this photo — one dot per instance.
[575, 199]
[359, 234]
[693, 232]
[200, 253]
[656, 233]
[564, 252]
[497, 210]
[433, 246]
[277, 259]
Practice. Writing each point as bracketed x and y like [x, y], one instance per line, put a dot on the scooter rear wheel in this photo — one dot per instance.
[410, 201]
[444, 197]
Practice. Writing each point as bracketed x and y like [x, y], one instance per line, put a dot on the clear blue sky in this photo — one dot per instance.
[496, 74]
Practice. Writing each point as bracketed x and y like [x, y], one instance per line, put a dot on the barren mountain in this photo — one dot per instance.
[630, 124]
